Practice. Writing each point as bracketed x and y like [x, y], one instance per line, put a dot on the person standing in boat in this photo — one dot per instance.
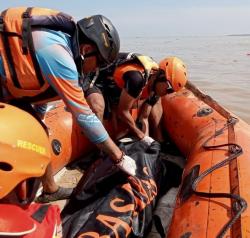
[43, 57]
[136, 80]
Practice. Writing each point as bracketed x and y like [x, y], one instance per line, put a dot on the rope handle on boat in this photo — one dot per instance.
[235, 150]
[208, 100]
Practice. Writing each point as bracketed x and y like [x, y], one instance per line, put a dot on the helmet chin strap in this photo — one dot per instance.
[154, 86]
[96, 74]
[88, 80]
[157, 80]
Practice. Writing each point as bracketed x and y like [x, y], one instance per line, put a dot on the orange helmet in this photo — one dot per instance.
[24, 148]
[175, 72]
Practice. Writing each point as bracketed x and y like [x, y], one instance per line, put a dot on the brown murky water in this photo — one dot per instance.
[219, 65]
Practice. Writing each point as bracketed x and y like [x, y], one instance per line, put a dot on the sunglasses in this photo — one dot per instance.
[93, 53]
[100, 60]
[90, 54]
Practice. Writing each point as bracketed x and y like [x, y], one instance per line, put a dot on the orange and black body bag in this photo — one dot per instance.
[24, 78]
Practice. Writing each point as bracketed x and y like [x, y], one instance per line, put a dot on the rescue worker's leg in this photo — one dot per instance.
[51, 191]
[49, 185]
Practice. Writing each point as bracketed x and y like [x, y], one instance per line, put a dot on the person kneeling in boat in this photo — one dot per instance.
[48, 62]
[24, 156]
[134, 80]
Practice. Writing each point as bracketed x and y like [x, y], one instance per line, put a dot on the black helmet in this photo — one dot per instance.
[101, 31]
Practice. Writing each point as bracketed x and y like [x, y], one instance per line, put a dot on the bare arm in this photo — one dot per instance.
[125, 105]
[146, 110]
[65, 83]
[143, 117]
[111, 149]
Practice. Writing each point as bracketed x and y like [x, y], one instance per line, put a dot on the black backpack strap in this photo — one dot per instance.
[40, 213]
[47, 94]
[25, 30]
[77, 55]
[28, 44]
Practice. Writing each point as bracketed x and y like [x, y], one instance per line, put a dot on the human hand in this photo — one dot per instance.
[147, 140]
[127, 165]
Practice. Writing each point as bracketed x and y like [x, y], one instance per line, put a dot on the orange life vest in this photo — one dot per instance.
[24, 78]
[122, 69]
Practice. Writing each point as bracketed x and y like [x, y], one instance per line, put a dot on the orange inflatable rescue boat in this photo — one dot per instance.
[214, 193]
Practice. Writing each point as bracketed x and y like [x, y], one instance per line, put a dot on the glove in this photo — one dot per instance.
[127, 165]
[147, 140]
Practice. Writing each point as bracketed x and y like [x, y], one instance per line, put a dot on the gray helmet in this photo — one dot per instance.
[101, 31]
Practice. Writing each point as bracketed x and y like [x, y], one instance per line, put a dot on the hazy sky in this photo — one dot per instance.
[157, 17]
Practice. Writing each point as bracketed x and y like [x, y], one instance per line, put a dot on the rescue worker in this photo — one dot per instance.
[137, 78]
[44, 55]
[24, 156]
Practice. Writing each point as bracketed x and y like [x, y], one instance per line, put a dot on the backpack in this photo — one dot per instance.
[23, 74]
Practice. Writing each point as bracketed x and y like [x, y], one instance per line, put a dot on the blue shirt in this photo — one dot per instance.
[54, 54]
